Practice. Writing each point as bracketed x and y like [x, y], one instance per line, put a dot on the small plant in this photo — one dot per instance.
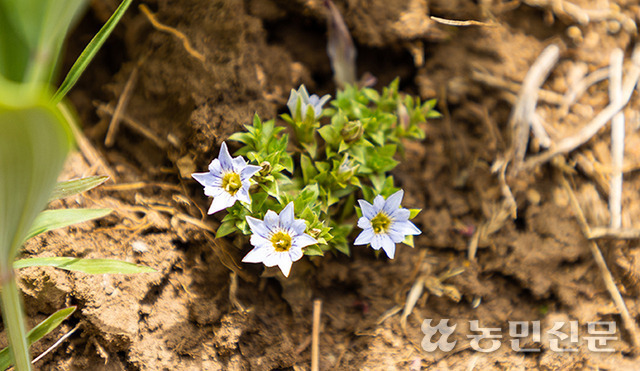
[338, 156]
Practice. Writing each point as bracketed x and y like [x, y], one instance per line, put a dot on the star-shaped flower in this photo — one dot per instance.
[385, 223]
[227, 180]
[278, 240]
[314, 102]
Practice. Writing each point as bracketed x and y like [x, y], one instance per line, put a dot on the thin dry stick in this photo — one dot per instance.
[618, 233]
[315, 335]
[617, 139]
[135, 125]
[569, 144]
[627, 320]
[89, 152]
[523, 115]
[161, 27]
[55, 345]
[576, 90]
[114, 124]
[456, 23]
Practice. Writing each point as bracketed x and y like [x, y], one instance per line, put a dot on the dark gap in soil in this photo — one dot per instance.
[533, 21]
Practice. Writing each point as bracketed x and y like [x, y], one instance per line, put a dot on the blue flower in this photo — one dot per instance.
[385, 223]
[313, 102]
[227, 180]
[278, 240]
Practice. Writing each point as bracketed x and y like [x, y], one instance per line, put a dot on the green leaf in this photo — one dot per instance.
[90, 51]
[49, 220]
[37, 333]
[414, 212]
[73, 187]
[313, 250]
[34, 142]
[226, 228]
[88, 266]
[408, 240]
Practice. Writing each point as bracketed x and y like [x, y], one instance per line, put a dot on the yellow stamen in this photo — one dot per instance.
[380, 223]
[281, 241]
[231, 183]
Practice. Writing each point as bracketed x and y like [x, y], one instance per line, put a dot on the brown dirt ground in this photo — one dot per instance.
[204, 310]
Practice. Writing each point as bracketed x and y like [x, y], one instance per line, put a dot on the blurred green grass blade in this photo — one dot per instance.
[34, 142]
[89, 266]
[35, 30]
[37, 333]
[73, 187]
[49, 220]
[90, 51]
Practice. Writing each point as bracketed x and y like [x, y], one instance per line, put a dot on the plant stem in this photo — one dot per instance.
[13, 319]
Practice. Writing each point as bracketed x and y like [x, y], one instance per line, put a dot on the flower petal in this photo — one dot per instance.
[378, 203]
[213, 191]
[406, 228]
[292, 102]
[243, 194]
[285, 264]
[400, 214]
[256, 255]
[376, 241]
[226, 162]
[260, 241]
[271, 220]
[393, 202]
[258, 227]
[238, 164]
[249, 171]
[215, 167]
[299, 226]
[295, 254]
[221, 202]
[395, 236]
[364, 223]
[286, 216]
[303, 240]
[368, 211]
[389, 247]
[206, 179]
[364, 237]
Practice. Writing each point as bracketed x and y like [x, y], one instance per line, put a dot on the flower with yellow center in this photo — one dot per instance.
[227, 181]
[385, 223]
[278, 239]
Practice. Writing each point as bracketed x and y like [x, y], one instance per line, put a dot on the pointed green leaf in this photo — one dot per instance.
[226, 228]
[73, 187]
[90, 51]
[89, 266]
[414, 212]
[49, 220]
[37, 333]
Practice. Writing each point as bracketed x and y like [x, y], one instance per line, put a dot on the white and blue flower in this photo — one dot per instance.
[385, 223]
[227, 181]
[307, 102]
[278, 239]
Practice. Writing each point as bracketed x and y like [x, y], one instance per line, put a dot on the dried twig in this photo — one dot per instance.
[576, 90]
[114, 124]
[135, 125]
[453, 22]
[617, 139]
[570, 143]
[55, 345]
[627, 320]
[523, 116]
[315, 335]
[618, 233]
[161, 27]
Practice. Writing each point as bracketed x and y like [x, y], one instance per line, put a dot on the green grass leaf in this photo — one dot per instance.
[49, 220]
[90, 51]
[37, 333]
[34, 142]
[88, 266]
[73, 187]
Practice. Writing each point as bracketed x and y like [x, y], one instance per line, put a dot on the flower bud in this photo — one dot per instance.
[266, 168]
[352, 131]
